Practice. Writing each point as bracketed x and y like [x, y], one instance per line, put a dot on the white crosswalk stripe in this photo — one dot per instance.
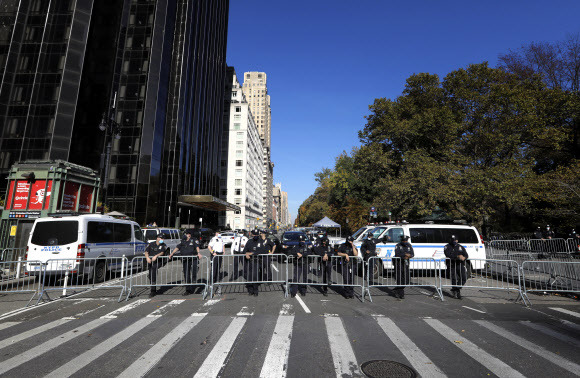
[144, 363]
[495, 365]
[564, 311]
[8, 325]
[32, 332]
[276, 361]
[215, 361]
[343, 356]
[551, 332]
[536, 349]
[416, 357]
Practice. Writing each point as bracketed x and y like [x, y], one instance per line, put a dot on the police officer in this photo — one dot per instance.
[404, 251]
[320, 237]
[348, 251]
[549, 234]
[237, 248]
[216, 248]
[538, 233]
[152, 253]
[251, 251]
[266, 247]
[300, 253]
[368, 249]
[456, 255]
[189, 250]
[325, 252]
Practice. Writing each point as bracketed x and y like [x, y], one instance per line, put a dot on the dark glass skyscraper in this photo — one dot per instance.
[157, 67]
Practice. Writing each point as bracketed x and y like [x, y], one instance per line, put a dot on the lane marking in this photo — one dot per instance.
[343, 357]
[113, 315]
[536, 349]
[414, 355]
[473, 309]
[211, 302]
[495, 365]
[245, 312]
[105, 346]
[81, 314]
[25, 357]
[164, 309]
[216, 359]
[276, 360]
[306, 309]
[551, 332]
[32, 332]
[143, 364]
[286, 309]
[8, 325]
[563, 310]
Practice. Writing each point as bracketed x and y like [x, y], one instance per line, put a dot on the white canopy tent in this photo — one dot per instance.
[326, 222]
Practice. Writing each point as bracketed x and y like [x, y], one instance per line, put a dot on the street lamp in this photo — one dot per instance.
[112, 130]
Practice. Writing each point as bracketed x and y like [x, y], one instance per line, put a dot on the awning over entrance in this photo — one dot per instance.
[207, 202]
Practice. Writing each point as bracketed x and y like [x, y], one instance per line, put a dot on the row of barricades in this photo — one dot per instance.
[208, 277]
[540, 246]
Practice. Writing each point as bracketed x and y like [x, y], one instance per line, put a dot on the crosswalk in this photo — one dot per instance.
[144, 337]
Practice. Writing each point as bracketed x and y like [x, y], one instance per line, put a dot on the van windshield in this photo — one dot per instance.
[55, 233]
[356, 234]
[151, 234]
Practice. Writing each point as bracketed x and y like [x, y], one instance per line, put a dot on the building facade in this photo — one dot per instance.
[255, 89]
[242, 161]
[155, 67]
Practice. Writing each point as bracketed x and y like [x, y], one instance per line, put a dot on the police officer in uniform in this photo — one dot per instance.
[189, 250]
[404, 251]
[237, 248]
[549, 234]
[325, 252]
[152, 253]
[300, 253]
[348, 252]
[538, 233]
[368, 249]
[456, 255]
[216, 248]
[266, 247]
[251, 251]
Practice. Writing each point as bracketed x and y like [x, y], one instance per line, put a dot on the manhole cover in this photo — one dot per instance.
[387, 369]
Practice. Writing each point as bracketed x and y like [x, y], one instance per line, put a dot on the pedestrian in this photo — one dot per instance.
[457, 256]
[548, 234]
[188, 249]
[348, 252]
[266, 247]
[251, 252]
[216, 248]
[325, 252]
[403, 252]
[300, 254]
[237, 249]
[368, 249]
[152, 253]
[538, 233]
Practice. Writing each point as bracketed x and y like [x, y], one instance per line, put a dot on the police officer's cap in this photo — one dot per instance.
[161, 236]
[404, 237]
[349, 239]
[255, 232]
[453, 237]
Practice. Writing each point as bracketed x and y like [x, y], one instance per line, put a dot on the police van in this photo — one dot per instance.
[82, 236]
[428, 241]
[172, 235]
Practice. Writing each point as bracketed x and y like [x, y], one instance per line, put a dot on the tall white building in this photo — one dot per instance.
[256, 91]
[242, 160]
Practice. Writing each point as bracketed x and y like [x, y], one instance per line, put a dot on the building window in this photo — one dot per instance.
[238, 182]
[238, 109]
[238, 201]
[236, 126]
[237, 116]
[238, 172]
[237, 212]
[238, 192]
[240, 143]
[239, 153]
[239, 163]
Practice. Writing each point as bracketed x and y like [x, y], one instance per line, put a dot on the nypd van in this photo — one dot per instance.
[428, 241]
[82, 236]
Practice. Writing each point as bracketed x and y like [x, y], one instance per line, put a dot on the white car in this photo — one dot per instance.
[228, 238]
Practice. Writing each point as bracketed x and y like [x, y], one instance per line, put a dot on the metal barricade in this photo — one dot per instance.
[190, 272]
[15, 279]
[548, 245]
[573, 245]
[400, 273]
[348, 274]
[491, 274]
[80, 274]
[550, 276]
[260, 269]
[13, 254]
[312, 273]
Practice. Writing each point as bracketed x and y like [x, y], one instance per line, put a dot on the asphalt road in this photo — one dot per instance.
[486, 334]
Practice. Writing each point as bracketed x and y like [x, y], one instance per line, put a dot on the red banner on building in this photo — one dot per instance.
[21, 197]
[70, 196]
[86, 199]
[37, 195]
[9, 198]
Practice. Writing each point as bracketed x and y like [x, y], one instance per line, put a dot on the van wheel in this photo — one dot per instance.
[100, 272]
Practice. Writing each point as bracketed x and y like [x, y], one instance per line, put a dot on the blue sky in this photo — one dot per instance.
[328, 60]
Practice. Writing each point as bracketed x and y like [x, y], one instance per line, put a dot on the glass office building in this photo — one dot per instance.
[156, 67]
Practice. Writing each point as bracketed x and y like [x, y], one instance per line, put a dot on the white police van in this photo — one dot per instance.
[428, 241]
[82, 236]
[172, 235]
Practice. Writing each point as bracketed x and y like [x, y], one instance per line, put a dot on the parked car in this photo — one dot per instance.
[292, 238]
[228, 237]
[205, 236]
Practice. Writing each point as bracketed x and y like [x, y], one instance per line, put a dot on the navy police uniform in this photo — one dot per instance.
[404, 251]
[152, 250]
[252, 250]
[347, 267]
[188, 249]
[324, 250]
[456, 267]
[300, 268]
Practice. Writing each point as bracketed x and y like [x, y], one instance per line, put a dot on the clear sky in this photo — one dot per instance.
[327, 60]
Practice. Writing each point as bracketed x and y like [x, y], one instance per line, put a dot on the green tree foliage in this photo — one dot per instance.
[484, 144]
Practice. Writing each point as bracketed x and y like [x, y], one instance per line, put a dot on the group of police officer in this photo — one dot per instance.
[255, 263]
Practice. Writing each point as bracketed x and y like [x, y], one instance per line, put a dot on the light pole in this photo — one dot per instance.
[111, 129]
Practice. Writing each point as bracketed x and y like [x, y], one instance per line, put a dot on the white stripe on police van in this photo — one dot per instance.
[416, 357]
[143, 364]
[276, 361]
[544, 353]
[164, 309]
[32, 332]
[113, 315]
[215, 360]
[92, 354]
[495, 365]
[49, 345]
[7, 325]
[563, 310]
[551, 332]
[342, 354]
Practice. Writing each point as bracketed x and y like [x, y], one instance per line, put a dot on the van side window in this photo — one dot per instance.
[138, 233]
[174, 234]
[395, 234]
[166, 232]
[425, 235]
[100, 232]
[464, 235]
[122, 232]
